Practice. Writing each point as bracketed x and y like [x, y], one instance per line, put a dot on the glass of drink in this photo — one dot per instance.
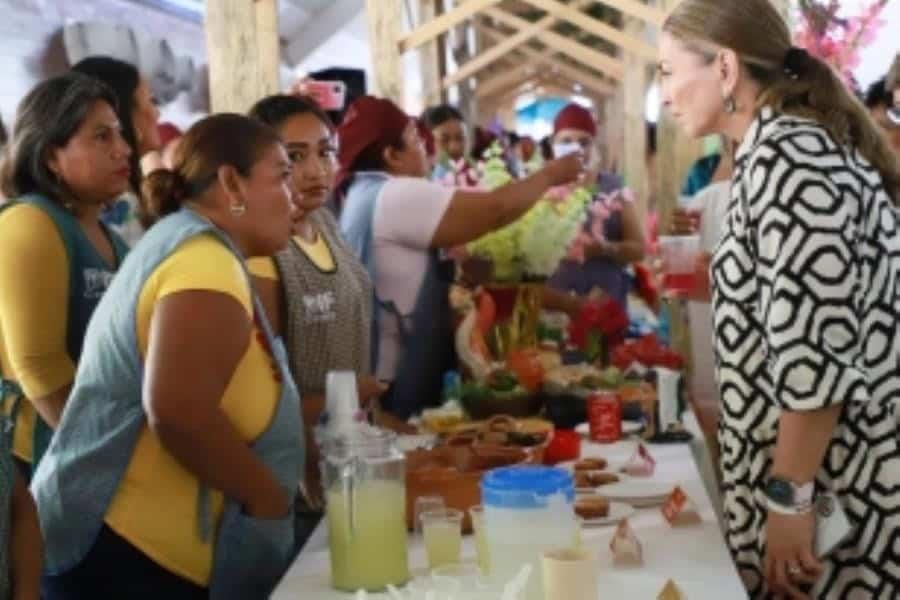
[579, 539]
[679, 255]
[442, 530]
[476, 513]
[466, 575]
[423, 505]
[421, 587]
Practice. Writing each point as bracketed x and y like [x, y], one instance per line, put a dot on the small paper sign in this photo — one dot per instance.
[679, 509]
[625, 546]
[670, 591]
[641, 464]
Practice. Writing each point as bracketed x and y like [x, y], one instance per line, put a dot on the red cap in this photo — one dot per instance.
[369, 122]
[577, 117]
[167, 133]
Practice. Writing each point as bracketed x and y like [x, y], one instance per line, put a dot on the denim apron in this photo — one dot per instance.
[104, 418]
[426, 335]
[89, 276]
[7, 481]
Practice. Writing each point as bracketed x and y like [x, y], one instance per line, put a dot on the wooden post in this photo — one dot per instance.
[614, 113]
[429, 56]
[244, 52]
[675, 155]
[384, 34]
[635, 93]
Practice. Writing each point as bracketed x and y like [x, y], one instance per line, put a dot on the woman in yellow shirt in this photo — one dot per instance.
[174, 468]
[66, 159]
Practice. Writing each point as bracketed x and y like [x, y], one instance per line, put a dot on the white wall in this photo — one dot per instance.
[31, 44]
[876, 59]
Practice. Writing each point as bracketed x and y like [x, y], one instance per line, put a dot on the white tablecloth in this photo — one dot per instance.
[694, 556]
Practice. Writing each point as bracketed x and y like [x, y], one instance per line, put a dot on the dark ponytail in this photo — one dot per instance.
[163, 191]
[216, 141]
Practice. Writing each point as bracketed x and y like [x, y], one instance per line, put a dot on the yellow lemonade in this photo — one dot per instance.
[443, 543]
[481, 547]
[374, 554]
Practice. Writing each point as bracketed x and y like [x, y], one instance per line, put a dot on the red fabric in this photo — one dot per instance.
[369, 122]
[647, 351]
[167, 133]
[577, 117]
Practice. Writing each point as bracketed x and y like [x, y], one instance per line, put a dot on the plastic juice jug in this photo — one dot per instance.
[527, 510]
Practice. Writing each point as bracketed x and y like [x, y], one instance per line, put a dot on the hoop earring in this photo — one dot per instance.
[238, 210]
[730, 105]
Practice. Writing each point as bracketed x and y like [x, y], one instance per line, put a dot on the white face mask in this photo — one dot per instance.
[566, 148]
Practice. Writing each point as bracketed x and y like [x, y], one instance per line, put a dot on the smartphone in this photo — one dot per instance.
[832, 524]
[330, 95]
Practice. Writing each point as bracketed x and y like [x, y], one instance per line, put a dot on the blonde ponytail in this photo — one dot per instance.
[807, 88]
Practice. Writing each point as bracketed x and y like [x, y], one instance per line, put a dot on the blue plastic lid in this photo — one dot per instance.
[527, 486]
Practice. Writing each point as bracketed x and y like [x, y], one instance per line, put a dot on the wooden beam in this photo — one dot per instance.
[429, 59]
[546, 57]
[489, 87]
[635, 130]
[575, 50]
[650, 14]
[598, 28]
[441, 24]
[243, 50]
[499, 50]
[320, 27]
[384, 29]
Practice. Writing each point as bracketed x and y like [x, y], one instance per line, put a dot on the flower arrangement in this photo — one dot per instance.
[461, 174]
[533, 246]
[599, 211]
[834, 39]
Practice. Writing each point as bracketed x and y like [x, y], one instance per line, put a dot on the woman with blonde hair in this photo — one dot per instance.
[806, 306]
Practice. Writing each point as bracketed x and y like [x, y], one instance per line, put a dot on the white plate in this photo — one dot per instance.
[628, 428]
[617, 512]
[638, 493]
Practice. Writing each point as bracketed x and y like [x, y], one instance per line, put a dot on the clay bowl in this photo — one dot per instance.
[454, 473]
[525, 405]
[482, 432]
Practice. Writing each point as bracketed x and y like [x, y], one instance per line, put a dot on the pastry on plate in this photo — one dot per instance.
[591, 464]
[592, 507]
[592, 479]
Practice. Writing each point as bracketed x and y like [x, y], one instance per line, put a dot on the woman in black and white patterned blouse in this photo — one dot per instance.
[806, 302]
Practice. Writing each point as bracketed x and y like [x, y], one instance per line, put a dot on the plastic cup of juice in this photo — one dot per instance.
[442, 530]
[481, 548]
[679, 255]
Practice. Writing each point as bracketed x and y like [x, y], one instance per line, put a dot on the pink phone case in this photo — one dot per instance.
[329, 94]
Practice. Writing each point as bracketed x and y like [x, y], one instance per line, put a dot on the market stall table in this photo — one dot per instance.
[694, 556]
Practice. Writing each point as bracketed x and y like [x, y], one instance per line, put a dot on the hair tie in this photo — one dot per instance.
[795, 62]
[179, 187]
